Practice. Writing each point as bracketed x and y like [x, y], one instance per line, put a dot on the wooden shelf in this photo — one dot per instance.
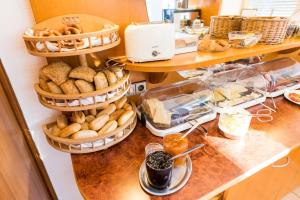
[204, 59]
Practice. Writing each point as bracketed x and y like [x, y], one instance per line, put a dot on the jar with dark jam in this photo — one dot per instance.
[159, 169]
[174, 145]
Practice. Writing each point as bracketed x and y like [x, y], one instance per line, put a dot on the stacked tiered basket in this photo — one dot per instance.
[99, 35]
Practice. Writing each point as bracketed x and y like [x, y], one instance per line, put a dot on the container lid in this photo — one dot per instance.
[177, 103]
[280, 73]
[237, 87]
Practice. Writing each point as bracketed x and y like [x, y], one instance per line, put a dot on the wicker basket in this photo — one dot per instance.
[273, 29]
[84, 101]
[89, 145]
[220, 26]
[95, 37]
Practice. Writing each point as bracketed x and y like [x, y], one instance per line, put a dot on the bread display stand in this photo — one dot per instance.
[84, 101]
[91, 144]
[96, 34]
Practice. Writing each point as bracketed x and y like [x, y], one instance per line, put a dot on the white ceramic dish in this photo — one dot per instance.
[234, 123]
[287, 93]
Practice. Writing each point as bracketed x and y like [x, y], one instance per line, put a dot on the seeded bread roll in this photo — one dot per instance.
[61, 121]
[100, 81]
[89, 118]
[84, 86]
[109, 110]
[78, 117]
[84, 73]
[69, 87]
[108, 127]
[57, 72]
[84, 134]
[99, 122]
[121, 102]
[69, 130]
[54, 88]
[125, 117]
[44, 86]
[111, 77]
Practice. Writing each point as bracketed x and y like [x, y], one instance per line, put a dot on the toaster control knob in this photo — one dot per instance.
[155, 53]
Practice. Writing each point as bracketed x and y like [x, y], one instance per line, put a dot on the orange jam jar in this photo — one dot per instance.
[173, 144]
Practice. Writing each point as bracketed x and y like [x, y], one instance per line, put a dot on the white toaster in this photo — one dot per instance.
[149, 42]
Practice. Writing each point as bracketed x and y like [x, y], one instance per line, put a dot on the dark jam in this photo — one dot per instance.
[159, 169]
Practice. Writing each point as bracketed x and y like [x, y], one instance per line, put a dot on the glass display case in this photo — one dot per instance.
[281, 74]
[176, 107]
[240, 88]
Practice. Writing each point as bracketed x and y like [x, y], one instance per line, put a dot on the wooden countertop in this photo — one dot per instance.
[198, 59]
[113, 173]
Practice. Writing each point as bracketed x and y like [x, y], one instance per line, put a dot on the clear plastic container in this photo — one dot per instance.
[281, 74]
[243, 39]
[294, 25]
[175, 107]
[240, 88]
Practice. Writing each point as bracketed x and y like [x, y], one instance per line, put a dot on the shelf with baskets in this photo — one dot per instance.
[85, 95]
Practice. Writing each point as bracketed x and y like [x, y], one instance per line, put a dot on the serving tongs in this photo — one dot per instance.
[262, 115]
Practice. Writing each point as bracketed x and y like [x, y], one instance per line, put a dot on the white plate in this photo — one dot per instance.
[287, 93]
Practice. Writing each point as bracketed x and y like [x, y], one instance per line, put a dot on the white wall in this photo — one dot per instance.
[22, 70]
[231, 7]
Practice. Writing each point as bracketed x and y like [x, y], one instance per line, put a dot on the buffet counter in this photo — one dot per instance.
[222, 163]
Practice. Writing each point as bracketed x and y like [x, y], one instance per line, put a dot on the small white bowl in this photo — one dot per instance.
[234, 122]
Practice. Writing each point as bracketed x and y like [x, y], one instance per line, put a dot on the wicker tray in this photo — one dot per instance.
[94, 38]
[91, 144]
[273, 29]
[220, 26]
[84, 101]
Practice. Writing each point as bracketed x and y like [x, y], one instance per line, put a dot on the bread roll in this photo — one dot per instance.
[127, 107]
[93, 111]
[121, 102]
[69, 130]
[125, 117]
[111, 77]
[69, 87]
[118, 71]
[85, 126]
[115, 115]
[84, 73]
[43, 85]
[99, 122]
[109, 110]
[84, 134]
[84, 86]
[55, 130]
[57, 72]
[89, 118]
[78, 117]
[62, 121]
[86, 112]
[100, 81]
[108, 127]
[54, 88]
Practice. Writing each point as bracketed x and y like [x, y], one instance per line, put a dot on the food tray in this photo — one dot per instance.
[180, 177]
[84, 101]
[91, 144]
[99, 34]
[181, 127]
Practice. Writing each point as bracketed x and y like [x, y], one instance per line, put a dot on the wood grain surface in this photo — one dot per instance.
[113, 173]
[19, 175]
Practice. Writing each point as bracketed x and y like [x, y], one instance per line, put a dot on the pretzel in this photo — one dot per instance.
[70, 30]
